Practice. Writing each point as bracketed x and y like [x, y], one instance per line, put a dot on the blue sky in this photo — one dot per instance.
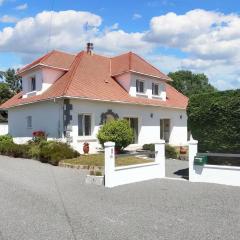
[199, 35]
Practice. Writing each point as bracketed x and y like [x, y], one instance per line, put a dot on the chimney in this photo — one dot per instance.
[90, 48]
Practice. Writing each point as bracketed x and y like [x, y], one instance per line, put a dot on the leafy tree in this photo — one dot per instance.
[12, 80]
[189, 83]
[5, 92]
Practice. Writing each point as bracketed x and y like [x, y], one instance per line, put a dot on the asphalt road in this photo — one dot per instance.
[39, 201]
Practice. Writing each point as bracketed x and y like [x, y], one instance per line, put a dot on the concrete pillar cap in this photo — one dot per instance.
[109, 144]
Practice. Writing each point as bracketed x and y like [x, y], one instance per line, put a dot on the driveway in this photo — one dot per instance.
[42, 202]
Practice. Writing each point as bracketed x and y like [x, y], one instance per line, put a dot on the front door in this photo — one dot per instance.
[165, 129]
[133, 122]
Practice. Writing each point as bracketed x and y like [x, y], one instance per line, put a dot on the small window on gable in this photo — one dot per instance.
[155, 89]
[29, 121]
[33, 83]
[84, 125]
[140, 86]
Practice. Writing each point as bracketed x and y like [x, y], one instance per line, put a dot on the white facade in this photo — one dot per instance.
[46, 116]
[128, 81]
[44, 77]
[148, 121]
[3, 128]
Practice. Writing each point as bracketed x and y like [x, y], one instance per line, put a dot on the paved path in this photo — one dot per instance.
[42, 202]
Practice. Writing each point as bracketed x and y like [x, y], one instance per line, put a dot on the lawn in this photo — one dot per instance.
[98, 160]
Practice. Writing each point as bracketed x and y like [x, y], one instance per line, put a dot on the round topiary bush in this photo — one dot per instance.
[117, 131]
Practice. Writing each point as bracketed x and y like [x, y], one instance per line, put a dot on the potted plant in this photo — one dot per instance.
[86, 148]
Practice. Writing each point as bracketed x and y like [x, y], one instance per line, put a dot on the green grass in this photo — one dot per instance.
[98, 160]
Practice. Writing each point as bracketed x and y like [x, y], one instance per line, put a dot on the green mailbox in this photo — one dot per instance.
[200, 160]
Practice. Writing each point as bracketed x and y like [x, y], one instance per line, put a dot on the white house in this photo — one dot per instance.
[71, 96]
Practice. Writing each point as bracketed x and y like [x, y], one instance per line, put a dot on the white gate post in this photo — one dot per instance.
[160, 156]
[109, 163]
[192, 152]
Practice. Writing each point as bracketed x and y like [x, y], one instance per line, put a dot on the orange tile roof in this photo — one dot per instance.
[54, 59]
[90, 77]
[132, 62]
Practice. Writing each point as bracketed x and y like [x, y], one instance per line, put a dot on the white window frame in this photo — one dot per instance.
[83, 124]
[29, 122]
[153, 89]
[138, 87]
[31, 83]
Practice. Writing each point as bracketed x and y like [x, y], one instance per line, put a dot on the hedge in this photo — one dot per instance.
[214, 120]
[45, 151]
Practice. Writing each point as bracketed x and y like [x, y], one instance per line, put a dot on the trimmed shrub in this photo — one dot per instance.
[52, 152]
[14, 150]
[48, 152]
[149, 147]
[170, 151]
[213, 120]
[6, 139]
[117, 131]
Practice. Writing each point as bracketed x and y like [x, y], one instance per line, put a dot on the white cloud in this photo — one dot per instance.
[209, 40]
[136, 16]
[8, 19]
[68, 32]
[205, 34]
[1, 2]
[22, 6]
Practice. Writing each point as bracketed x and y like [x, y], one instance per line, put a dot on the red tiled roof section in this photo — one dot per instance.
[89, 77]
[132, 62]
[54, 59]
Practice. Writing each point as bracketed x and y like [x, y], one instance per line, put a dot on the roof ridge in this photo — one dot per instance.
[60, 51]
[71, 72]
[130, 60]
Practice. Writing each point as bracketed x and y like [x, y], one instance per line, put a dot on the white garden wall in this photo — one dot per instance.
[115, 176]
[149, 127]
[3, 128]
[228, 175]
[46, 116]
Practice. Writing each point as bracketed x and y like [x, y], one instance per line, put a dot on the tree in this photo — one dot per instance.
[189, 83]
[5, 92]
[12, 80]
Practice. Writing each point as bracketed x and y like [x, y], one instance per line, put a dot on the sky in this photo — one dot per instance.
[202, 36]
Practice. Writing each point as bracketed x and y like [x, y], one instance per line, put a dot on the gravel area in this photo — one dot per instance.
[42, 202]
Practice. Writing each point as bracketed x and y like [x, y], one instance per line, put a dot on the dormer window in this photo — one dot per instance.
[139, 86]
[33, 84]
[155, 89]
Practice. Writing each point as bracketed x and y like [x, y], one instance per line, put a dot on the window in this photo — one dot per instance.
[155, 89]
[84, 125]
[139, 86]
[29, 121]
[165, 129]
[33, 84]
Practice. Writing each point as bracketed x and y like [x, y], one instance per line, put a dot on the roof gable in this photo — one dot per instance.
[132, 62]
[55, 59]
